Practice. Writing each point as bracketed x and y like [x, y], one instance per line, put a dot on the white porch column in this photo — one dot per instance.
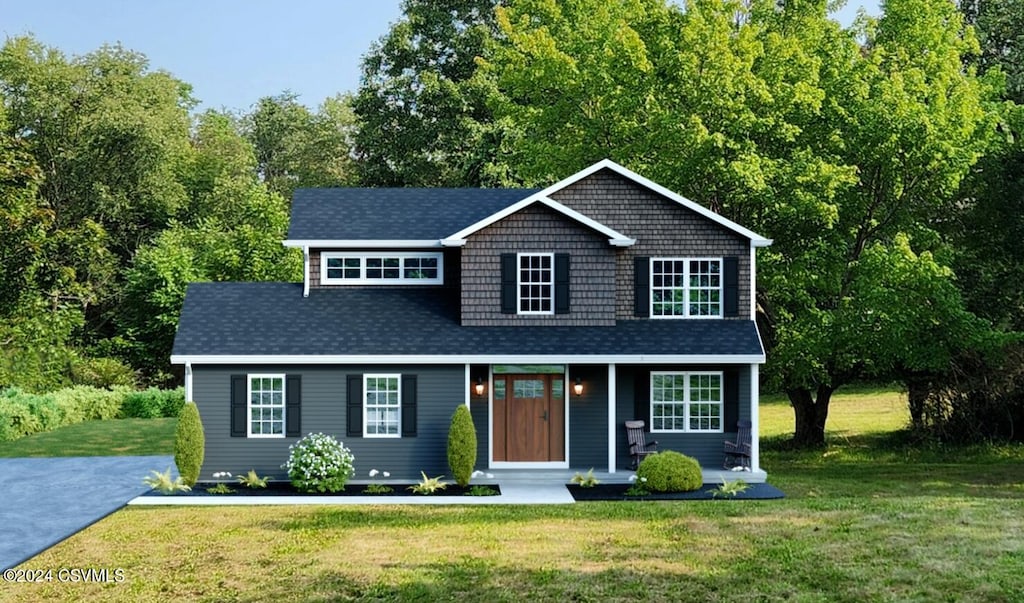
[755, 419]
[467, 385]
[612, 431]
[188, 382]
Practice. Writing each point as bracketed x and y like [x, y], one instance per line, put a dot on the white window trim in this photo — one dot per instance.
[363, 280]
[687, 402]
[519, 284]
[248, 404]
[686, 288]
[367, 377]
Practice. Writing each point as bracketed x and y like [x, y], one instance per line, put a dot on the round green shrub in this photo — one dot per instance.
[462, 446]
[319, 463]
[189, 444]
[102, 372]
[670, 471]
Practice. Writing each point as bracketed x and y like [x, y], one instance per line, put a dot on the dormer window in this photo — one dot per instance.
[391, 268]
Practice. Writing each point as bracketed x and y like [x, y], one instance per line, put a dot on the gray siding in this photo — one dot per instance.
[439, 390]
[538, 228]
[588, 418]
[705, 447]
[660, 226]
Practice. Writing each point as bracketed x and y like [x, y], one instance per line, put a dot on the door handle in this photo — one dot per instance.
[544, 415]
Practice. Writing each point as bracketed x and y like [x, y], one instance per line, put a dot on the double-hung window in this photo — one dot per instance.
[536, 283]
[686, 288]
[382, 413]
[686, 402]
[266, 406]
[388, 268]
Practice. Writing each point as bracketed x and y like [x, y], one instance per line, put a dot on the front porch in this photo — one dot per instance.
[564, 476]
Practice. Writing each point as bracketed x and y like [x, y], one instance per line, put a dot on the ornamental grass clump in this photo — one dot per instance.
[319, 463]
[670, 471]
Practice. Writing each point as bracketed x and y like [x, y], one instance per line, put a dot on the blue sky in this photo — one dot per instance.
[231, 52]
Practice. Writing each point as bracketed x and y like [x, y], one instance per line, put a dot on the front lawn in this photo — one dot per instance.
[871, 518]
[114, 437]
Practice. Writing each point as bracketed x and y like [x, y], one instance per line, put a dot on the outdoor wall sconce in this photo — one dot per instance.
[479, 386]
[578, 387]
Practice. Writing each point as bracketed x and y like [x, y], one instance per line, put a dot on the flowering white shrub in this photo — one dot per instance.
[319, 463]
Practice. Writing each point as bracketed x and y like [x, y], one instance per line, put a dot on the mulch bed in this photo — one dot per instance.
[618, 492]
[286, 489]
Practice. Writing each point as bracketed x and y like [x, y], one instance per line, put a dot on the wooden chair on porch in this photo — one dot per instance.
[638, 446]
[737, 454]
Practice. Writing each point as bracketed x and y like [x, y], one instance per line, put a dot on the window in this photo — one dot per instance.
[382, 268]
[686, 402]
[536, 283]
[383, 407]
[686, 288]
[266, 406]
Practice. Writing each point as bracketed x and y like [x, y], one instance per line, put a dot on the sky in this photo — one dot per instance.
[232, 52]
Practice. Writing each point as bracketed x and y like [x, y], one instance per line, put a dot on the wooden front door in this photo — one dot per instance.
[529, 418]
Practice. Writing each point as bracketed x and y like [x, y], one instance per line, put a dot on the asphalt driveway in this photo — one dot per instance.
[45, 500]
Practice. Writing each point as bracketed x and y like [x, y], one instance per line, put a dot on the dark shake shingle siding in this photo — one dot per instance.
[705, 447]
[439, 390]
[660, 226]
[540, 229]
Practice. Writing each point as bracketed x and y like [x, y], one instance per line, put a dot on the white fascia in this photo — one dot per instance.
[305, 271]
[363, 243]
[755, 239]
[615, 238]
[467, 359]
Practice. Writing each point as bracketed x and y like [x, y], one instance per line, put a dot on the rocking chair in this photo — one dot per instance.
[737, 454]
[638, 447]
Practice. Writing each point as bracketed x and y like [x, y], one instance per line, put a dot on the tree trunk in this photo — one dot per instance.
[811, 413]
[917, 395]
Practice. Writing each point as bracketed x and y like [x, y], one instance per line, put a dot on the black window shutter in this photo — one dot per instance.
[642, 397]
[239, 408]
[731, 397]
[355, 406]
[642, 287]
[731, 279]
[508, 283]
[408, 405]
[293, 406]
[561, 283]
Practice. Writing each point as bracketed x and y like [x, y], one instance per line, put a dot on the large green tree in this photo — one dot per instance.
[296, 147]
[423, 116]
[230, 230]
[843, 152]
[109, 136]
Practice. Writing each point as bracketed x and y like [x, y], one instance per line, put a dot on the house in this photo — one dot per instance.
[554, 314]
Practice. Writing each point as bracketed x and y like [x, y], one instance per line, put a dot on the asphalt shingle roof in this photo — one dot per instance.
[274, 319]
[393, 213]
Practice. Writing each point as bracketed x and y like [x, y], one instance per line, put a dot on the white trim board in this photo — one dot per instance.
[465, 359]
[615, 238]
[755, 239]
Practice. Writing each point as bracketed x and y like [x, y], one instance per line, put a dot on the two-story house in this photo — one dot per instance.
[554, 314]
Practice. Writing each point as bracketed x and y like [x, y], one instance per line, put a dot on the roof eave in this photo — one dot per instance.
[319, 359]
[364, 243]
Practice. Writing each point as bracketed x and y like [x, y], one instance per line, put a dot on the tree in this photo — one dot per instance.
[109, 136]
[783, 122]
[296, 147]
[423, 116]
[462, 445]
[231, 230]
[189, 444]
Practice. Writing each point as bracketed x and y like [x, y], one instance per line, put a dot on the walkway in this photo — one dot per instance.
[46, 500]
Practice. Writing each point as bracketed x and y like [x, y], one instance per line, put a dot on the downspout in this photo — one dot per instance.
[305, 271]
[188, 382]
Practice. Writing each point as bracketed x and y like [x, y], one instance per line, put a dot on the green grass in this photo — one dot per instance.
[116, 437]
[869, 518]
